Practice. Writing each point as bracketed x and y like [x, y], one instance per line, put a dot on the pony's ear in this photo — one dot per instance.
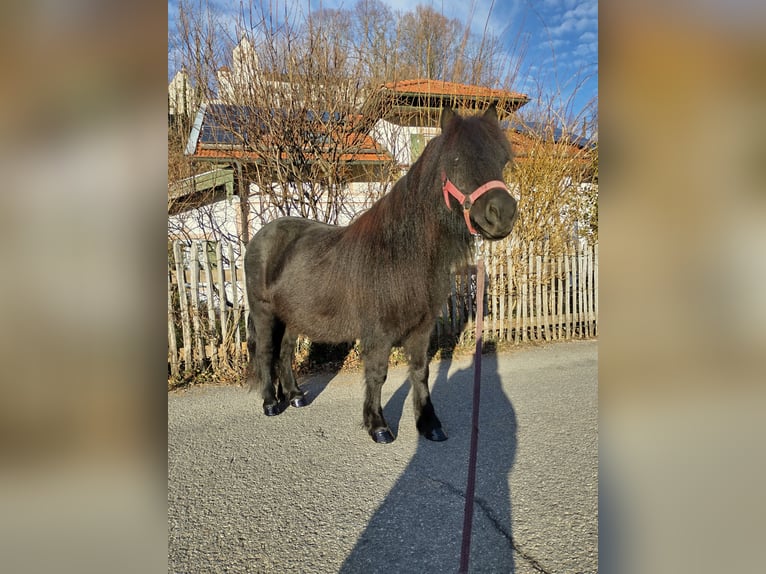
[448, 114]
[491, 113]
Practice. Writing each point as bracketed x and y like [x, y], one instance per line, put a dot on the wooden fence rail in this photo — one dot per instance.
[532, 294]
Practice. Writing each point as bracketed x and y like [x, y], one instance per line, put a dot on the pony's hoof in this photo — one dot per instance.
[436, 435]
[273, 409]
[382, 436]
[299, 401]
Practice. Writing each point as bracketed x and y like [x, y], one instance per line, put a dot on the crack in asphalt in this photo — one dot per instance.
[495, 521]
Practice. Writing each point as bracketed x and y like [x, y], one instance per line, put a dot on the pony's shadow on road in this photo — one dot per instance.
[418, 527]
[331, 357]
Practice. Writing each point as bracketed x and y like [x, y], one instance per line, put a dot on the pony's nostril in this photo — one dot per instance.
[493, 214]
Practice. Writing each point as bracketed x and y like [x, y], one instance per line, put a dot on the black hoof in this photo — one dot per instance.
[299, 401]
[273, 409]
[382, 436]
[436, 435]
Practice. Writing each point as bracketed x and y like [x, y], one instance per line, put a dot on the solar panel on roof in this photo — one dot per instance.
[228, 124]
[224, 124]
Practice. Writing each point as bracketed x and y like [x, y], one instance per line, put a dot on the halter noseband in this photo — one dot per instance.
[467, 201]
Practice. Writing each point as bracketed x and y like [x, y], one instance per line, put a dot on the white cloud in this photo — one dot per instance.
[560, 3]
[583, 10]
[579, 18]
[585, 50]
[574, 25]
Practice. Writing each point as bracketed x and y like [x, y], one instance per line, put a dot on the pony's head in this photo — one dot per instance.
[474, 153]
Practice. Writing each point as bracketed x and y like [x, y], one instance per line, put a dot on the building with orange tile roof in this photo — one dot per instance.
[394, 125]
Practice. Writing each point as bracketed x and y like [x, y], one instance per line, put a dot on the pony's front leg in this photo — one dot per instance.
[428, 424]
[375, 372]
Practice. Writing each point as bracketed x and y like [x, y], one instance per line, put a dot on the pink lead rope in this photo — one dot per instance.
[467, 202]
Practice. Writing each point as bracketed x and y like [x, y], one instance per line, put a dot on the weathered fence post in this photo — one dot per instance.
[595, 289]
[222, 350]
[199, 352]
[211, 332]
[172, 343]
[183, 305]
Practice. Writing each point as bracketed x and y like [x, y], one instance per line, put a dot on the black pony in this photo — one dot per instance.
[382, 279]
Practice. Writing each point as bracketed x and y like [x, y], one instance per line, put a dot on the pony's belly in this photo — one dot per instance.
[320, 321]
[327, 332]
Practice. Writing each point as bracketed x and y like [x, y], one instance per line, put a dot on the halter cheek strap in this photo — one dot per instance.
[467, 201]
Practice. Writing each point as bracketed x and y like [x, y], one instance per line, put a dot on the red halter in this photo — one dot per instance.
[467, 201]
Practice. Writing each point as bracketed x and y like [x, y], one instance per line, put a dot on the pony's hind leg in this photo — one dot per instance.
[285, 371]
[375, 373]
[263, 330]
[252, 377]
[428, 424]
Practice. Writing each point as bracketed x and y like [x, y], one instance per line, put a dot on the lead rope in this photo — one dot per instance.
[470, 488]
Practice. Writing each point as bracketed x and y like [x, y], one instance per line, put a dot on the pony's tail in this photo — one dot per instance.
[252, 381]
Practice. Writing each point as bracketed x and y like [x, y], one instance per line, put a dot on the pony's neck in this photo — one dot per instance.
[446, 236]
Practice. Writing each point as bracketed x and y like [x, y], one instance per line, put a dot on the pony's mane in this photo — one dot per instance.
[412, 217]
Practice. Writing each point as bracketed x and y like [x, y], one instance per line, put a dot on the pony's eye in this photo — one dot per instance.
[456, 159]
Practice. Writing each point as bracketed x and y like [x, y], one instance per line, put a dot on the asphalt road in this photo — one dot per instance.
[310, 492]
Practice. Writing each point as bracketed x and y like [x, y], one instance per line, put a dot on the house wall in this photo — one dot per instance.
[222, 219]
[398, 139]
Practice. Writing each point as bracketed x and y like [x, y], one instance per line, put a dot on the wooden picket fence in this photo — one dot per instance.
[532, 294]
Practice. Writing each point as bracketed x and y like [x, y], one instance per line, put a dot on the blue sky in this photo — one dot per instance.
[557, 40]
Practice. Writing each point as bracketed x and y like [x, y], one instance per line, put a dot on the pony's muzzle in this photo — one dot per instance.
[496, 214]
